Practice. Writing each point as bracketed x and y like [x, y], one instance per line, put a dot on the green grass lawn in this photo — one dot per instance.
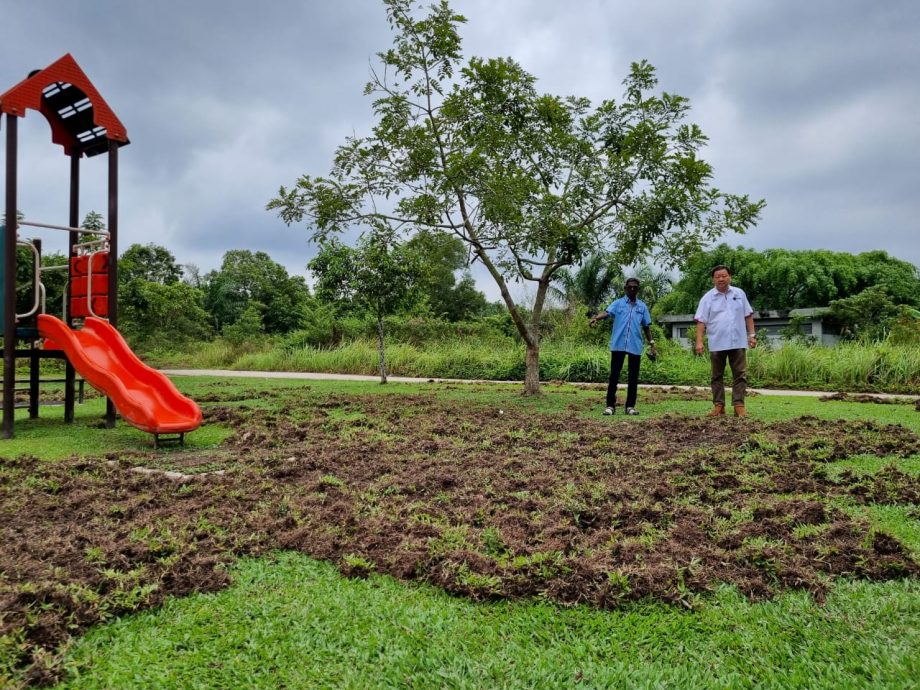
[290, 621]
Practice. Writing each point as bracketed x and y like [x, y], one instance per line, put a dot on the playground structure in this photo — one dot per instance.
[86, 336]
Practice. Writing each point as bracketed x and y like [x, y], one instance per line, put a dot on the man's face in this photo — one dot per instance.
[721, 279]
[632, 289]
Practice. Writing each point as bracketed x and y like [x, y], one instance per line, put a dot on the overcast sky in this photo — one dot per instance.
[812, 105]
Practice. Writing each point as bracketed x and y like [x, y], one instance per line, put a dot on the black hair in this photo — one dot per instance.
[721, 267]
[632, 280]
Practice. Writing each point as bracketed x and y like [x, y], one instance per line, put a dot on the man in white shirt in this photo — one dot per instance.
[726, 316]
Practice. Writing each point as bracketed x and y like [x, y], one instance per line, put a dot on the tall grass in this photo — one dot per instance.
[848, 366]
[562, 360]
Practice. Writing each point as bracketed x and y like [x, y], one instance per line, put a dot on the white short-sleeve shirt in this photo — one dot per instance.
[724, 314]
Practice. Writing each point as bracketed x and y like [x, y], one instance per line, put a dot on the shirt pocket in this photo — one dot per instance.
[737, 306]
[718, 305]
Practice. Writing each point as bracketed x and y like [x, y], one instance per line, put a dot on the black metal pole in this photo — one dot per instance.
[72, 239]
[113, 257]
[9, 281]
[34, 379]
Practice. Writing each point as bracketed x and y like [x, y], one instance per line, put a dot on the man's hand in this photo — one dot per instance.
[699, 347]
[653, 353]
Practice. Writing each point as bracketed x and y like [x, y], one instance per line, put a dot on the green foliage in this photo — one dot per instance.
[530, 182]
[148, 262]
[422, 331]
[656, 284]
[441, 255]
[155, 308]
[155, 314]
[247, 328]
[852, 366]
[900, 279]
[866, 316]
[905, 330]
[333, 268]
[379, 276]
[248, 280]
[794, 279]
[94, 221]
[433, 259]
[319, 327]
[598, 281]
[591, 285]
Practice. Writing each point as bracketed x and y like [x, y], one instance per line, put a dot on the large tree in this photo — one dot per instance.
[150, 262]
[441, 256]
[795, 278]
[377, 276]
[157, 309]
[252, 280]
[531, 182]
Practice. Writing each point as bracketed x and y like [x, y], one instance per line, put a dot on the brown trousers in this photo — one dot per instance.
[737, 361]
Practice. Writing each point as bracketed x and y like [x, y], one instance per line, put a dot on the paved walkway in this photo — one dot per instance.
[229, 373]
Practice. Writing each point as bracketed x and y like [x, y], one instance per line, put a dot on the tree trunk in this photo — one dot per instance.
[532, 370]
[534, 336]
[380, 351]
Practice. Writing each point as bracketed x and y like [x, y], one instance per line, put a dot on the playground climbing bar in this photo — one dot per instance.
[66, 228]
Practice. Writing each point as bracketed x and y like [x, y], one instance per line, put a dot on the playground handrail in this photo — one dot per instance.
[36, 278]
[102, 244]
[89, 287]
[65, 228]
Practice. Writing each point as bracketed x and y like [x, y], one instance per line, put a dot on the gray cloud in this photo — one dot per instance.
[810, 105]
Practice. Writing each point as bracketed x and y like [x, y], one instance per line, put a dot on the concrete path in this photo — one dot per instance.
[229, 373]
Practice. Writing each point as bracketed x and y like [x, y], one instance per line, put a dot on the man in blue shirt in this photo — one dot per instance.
[726, 316]
[630, 319]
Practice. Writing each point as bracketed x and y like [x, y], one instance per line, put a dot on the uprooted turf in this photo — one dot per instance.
[482, 500]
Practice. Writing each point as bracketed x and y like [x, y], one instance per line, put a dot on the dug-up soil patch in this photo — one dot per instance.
[869, 398]
[483, 502]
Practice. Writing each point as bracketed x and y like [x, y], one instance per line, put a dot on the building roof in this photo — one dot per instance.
[81, 121]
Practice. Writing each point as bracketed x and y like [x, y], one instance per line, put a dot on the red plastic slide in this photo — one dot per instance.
[144, 397]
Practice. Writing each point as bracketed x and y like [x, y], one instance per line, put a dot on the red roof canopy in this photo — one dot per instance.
[81, 121]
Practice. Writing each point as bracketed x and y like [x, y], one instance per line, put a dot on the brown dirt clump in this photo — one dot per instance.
[868, 398]
[483, 502]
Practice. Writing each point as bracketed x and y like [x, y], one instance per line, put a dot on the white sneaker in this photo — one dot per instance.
[631, 411]
[608, 411]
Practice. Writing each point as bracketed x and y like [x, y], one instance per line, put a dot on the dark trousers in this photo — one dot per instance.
[632, 377]
[737, 361]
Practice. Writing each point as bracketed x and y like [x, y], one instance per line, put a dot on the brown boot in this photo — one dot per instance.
[716, 411]
[740, 411]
